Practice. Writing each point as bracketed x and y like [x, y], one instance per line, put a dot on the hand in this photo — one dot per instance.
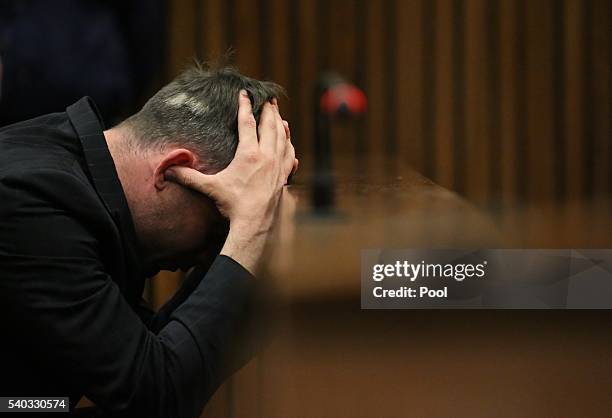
[247, 191]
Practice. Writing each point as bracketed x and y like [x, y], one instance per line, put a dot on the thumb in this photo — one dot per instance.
[192, 179]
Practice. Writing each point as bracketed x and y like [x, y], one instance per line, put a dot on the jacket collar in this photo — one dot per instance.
[88, 124]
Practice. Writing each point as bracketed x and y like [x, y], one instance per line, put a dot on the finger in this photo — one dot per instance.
[288, 137]
[288, 159]
[282, 134]
[287, 130]
[247, 127]
[268, 130]
[296, 164]
[192, 179]
[294, 169]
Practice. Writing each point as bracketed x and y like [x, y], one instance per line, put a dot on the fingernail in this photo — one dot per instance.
[170, 174]
[243, 93]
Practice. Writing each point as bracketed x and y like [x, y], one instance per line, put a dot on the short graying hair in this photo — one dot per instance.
[198, 110]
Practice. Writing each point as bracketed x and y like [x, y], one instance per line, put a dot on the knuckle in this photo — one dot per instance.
[271, 123]
[269, 163]
[249, 122]
[253, 156]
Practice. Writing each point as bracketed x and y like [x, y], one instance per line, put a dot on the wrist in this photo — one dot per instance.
[245, 245]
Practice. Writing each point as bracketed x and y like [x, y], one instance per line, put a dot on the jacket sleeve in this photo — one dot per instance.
[56, 286]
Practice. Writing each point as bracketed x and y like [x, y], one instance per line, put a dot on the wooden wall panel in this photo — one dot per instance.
[507, 102]
[504, 101]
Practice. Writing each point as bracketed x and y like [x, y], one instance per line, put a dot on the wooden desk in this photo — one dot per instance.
[331, 359]
[317, 255]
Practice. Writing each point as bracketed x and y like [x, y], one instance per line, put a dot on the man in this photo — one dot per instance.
[87, 214]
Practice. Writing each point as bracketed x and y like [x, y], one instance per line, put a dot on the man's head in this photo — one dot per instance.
[192, 122]
[198, 111]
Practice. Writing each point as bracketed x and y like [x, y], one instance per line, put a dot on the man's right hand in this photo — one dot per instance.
[248, 190]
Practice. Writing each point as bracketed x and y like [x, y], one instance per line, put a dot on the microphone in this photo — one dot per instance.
[334, 98]
[342, 99]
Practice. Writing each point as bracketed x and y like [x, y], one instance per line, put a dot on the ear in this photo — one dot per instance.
[176, 157]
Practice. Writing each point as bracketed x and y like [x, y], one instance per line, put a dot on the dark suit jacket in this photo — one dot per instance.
[71, 282]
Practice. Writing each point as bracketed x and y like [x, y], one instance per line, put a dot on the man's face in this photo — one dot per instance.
[190, 231]
[177, 228]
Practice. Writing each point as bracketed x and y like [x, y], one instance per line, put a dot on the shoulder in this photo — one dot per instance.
[42, 158]
[48, 140]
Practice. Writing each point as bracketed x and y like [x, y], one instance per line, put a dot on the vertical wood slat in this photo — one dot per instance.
[409, 86]
[559, 96]
[522, 148]
[429, 86]
[493, 139]
[375, 84]
[294, 58]
[181, 36]
[279, 67]
[359, 17]
[459, 93]
[340, 36]
[539, 100]
[246, 30]
[573, 103]
[444, 94]
[477, 112]
[277, 27]
[267, 30]
[389, 60]
[307, 74]
[508, 57]
[214, 42]
[602, 100]
[588, 121]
